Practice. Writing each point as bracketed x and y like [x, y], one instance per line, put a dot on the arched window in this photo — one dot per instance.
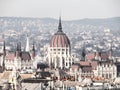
[66, 63]
[63, 60]
[58, 61]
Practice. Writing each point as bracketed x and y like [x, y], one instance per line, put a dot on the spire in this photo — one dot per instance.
[33, 51]
[4, 54]
[97, 53]
[83, 51]
[110, 51]
[60, 25]
[27, 44]
[19, 46]
[17, 49]
[33, 48]
[4, 50]
[17, 53]
[111, 46]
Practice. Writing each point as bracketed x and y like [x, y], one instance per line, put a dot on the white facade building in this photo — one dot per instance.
[59, 52]
[106, 69]
[21, 59]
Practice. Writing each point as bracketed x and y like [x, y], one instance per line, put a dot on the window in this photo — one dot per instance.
[63, 49]
[110, 76]
[66, 64]
[106, 75]
[102, 75]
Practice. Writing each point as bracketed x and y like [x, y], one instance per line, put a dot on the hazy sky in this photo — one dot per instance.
[70, 9]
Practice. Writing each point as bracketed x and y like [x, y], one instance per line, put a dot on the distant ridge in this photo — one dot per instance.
[85, 19]
[47, 23]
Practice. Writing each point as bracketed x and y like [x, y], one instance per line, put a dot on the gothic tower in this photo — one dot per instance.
[33, 51]
[4, 54]
[111, 52]
[27, 44]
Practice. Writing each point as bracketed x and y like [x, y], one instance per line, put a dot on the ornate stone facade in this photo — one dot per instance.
[59, 52]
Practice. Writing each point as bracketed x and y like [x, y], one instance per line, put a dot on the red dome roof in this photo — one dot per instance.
[59, 39]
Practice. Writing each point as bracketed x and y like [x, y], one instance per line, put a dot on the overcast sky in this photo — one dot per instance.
[70, 9]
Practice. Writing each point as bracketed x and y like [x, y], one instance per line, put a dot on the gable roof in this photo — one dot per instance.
[25, 56]
[84, 63]
[90, 56]
[10, 56]
[104, 56]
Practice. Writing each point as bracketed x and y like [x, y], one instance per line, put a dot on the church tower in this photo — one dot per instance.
[27, 45]
[18, 50]
[83, 54]
[111, 52]
[97, 54]
[4, 49]
[4, 54]
[33, 51]
[17, 58]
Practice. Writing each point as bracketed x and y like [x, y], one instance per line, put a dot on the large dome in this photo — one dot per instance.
[59, 39]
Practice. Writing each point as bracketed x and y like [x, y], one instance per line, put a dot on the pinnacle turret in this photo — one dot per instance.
[60, 25]
[27, 45]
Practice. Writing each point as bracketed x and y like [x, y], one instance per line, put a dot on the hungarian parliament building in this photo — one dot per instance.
[59, 56]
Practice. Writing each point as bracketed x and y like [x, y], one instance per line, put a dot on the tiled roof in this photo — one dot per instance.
[104, 56]
[86, 68]
[10, 56]
[90, 56]
[59, 40]
[25, 56]
[5, 75]
[94, 64]
[25, 76]
[84, 63]
[76, 66]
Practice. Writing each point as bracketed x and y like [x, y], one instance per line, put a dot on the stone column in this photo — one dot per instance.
[49, 60]
[65, 62]
[61, 62]
[55, 63]
[68, 63]
[71, 60]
